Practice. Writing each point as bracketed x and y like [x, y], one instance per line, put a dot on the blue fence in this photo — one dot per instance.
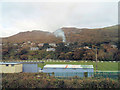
[112, 75]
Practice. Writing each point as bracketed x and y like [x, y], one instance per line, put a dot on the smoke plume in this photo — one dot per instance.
[60, 33]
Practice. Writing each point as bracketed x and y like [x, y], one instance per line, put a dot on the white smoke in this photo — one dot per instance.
[60, 33]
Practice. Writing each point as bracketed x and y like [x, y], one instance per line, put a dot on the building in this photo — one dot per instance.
[52, 44]
[17, 67]
[10, 67]
[50, 49]
[40, 44]
[15, 44]
[69, 70]
[30, 67]
[34, 48]
[114, 46]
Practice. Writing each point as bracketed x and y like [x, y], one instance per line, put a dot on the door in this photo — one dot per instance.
[85, 74]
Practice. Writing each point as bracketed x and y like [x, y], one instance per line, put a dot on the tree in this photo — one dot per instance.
[78, 54]
[23, 51]
[45, 46]
[69, 55]
[24, 57]
[62, 56]
[61, 48]
[89, 55]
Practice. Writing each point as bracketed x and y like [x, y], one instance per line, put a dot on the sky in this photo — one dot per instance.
[49, 16]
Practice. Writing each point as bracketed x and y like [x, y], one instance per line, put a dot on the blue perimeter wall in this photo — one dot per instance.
[66, 72]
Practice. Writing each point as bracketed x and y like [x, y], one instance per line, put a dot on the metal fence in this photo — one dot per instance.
[112, 75]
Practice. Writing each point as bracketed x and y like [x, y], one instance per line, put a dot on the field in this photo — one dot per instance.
[101, 66]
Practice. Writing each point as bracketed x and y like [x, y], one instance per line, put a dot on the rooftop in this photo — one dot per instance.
[8, 63]
[67, 66]
[20, 62]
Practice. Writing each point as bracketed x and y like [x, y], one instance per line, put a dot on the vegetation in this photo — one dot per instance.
[105, 52]
[107, 34]
[41, 80]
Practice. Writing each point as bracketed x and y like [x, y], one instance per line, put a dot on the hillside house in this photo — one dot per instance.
[15, 44]
[34, 48]
[52, 44]
[40, 44]
[114, 46]
[86, 47]
[28, 42]
[32, 43]
[50, 49]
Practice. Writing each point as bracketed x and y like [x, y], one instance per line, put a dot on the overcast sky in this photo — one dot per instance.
[50, 16]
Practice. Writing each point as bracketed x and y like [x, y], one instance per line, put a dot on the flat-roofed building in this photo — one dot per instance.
[16, 67]
[64, 70]
[10, 67]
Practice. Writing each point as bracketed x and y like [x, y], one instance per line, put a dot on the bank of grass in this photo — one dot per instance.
[42, 80]
[101, 66]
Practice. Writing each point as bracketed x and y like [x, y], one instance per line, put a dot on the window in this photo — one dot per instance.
[12, 65]
[7, 65]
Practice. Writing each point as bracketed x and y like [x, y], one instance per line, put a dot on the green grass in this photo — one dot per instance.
[101, 66]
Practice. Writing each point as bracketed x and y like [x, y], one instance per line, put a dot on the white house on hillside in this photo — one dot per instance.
[52, 44]
[50, 49]
[34, 48]
[40, 44]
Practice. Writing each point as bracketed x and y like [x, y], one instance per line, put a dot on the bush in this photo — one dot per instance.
[42, 80]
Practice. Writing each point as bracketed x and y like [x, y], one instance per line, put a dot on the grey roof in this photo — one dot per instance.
[20, 62]
[67, 66]
[8, 63]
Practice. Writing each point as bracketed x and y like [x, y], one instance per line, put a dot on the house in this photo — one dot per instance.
[52, 44]
[34, 48]
[32, 43]
[10, 67]
[62, 70]
[50, 49]
[15, 44]
[28, 42]
[86, 47]
[17, 67]
[114, 46]
[40, 44]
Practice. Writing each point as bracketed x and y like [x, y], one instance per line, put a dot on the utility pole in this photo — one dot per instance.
[96, 52]
[96, 59]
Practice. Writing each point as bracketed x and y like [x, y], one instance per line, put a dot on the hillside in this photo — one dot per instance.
[34, 36]
[71, 34]
[109, 34]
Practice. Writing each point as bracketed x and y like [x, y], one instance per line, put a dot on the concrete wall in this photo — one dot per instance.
[18, 68]
[11, 69]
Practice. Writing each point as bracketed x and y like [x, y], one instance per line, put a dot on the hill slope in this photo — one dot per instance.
[34, 36]
[71, 34]
[109, 34]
